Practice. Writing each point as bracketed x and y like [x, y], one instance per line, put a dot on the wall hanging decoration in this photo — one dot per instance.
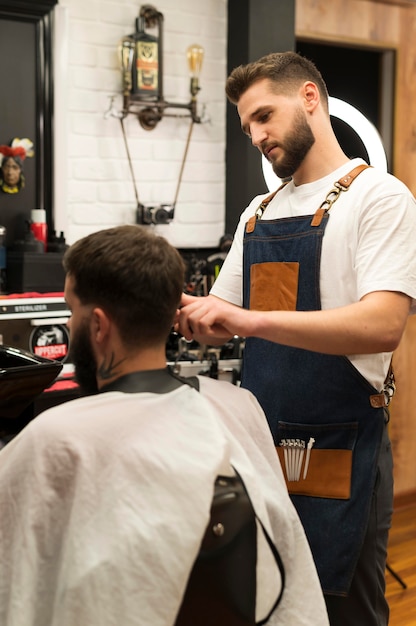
[12, 179]
[141, 62]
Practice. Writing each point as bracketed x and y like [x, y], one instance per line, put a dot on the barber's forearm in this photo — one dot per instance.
[366, 327]
[375, 324]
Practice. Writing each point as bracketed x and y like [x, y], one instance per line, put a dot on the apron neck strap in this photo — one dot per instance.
[343, 184]
[340, 185]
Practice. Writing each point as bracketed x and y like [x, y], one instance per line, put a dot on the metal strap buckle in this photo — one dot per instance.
[389, 390]
[332, 196]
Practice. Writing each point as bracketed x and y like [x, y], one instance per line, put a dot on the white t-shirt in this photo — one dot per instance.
[104, 501]
[369, 244]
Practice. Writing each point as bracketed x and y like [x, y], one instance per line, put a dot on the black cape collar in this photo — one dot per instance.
[153, 381]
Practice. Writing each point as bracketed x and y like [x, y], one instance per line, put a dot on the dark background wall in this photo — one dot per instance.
[255, 28]
[26, 105]
[18, 114]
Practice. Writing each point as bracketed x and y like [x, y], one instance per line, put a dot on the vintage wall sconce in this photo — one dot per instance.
[141, 60]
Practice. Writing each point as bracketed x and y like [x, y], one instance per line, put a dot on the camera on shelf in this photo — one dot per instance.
[158, 214]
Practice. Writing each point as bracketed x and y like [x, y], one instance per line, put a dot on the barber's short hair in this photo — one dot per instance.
[134, 275]
[285, 71]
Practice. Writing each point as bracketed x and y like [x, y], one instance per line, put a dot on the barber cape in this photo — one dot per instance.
[104, 501]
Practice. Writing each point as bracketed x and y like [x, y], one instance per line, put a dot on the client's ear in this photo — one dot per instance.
[100, 325]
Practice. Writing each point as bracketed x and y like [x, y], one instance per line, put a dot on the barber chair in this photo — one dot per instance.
[221, 587]
[23, 377]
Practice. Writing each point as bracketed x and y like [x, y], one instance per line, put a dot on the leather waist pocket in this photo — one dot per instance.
[274, 286]
[317, 460]
[328, 474]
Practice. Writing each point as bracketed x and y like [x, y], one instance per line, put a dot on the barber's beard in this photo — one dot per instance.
[295, 146]
[82, 356]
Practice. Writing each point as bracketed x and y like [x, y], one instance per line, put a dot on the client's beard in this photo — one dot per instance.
[82, 356]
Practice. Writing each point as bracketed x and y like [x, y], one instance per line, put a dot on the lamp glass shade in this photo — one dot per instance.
[195, 55]
[126, 51]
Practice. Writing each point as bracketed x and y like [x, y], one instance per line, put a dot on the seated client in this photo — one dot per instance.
[105, 499]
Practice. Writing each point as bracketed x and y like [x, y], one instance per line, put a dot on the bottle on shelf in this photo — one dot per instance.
[145, 70]
[38, 226]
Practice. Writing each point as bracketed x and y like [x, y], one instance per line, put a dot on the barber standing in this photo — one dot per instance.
[320, 280]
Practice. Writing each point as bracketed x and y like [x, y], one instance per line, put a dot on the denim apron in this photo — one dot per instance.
[326, 419]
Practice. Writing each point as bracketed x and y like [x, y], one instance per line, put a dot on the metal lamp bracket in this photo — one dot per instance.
[149, 113]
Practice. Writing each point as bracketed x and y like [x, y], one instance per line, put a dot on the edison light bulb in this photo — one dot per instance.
[195, 54]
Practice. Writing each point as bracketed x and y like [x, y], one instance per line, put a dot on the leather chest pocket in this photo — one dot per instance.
[274, 286]
[317, 460]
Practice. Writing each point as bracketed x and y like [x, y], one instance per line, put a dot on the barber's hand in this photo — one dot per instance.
[207, 319]
[180, 324]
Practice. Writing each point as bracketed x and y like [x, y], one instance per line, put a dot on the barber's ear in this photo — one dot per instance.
[311, 96]
[100, 325]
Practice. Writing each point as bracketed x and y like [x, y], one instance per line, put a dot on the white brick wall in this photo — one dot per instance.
[94, 188]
